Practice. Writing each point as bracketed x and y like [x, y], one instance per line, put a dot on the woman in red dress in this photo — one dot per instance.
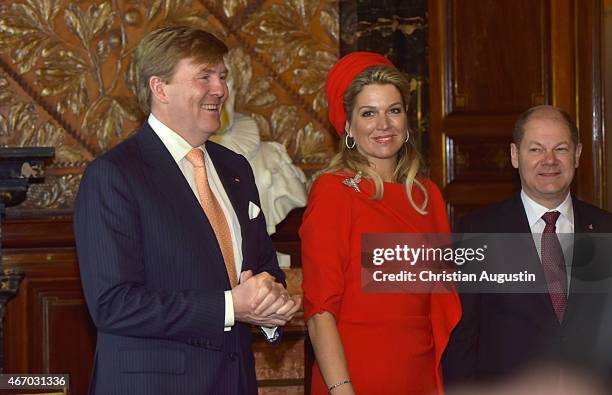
[371, 343]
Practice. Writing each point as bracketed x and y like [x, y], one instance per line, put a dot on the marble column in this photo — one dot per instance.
[398, 30]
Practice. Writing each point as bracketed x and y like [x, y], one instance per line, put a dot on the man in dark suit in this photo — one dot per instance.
[502, 333]
[175, 260]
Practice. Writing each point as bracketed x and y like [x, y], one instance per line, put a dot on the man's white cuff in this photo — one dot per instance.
[229, 311]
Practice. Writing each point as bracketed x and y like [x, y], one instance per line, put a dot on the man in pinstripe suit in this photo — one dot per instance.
[155, 273]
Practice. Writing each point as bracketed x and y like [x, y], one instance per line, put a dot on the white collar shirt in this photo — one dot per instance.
[178, 148]
[564, 226]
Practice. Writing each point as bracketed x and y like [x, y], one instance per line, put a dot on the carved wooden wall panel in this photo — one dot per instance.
[66, 75]
[472, 158]
[48, 329]
[64, 338]
[590, 185]
[489, 39]
[489, 60]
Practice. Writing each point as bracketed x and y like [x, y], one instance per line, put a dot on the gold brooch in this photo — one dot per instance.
[353, 182]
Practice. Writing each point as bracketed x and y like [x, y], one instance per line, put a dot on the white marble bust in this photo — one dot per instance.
[281, 184]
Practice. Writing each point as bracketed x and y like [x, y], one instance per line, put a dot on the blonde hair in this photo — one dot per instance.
[409, 162]
[160, 50]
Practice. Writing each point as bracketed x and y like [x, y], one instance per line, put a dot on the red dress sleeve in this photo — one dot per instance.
[325, 243]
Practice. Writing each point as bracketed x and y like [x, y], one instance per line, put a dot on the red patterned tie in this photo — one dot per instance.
[553, 264]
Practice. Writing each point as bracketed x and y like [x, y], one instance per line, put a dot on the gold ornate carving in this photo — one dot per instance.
[249, 93]
[310, 145]
[6, 95]
[285, 26]
[387, 26]
[79, 53]
[230, 7]
[283, 120]
[20, 126]
[287, 34]
[68, 77]
[56, 192]
[297, 40]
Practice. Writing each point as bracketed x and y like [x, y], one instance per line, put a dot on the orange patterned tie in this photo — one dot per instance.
[213, 212]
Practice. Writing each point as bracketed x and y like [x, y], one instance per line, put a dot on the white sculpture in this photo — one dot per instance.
[281, 184]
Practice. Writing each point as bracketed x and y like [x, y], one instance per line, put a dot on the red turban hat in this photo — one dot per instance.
[340, 77]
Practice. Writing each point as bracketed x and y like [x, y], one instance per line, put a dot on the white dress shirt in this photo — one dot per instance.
[564, 226]
[178, 148]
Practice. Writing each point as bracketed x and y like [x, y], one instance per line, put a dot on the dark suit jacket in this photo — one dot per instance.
[503, 333]
[153, 274]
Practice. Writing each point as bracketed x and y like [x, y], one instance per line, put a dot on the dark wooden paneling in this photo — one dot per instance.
[24, 311]
[473, 158]
[489, 61]
[286, 239]
[67, 335]
[39, 232]
[499, 55]
[47, 326]
[458, 211]
[464, 198]
[478, 194]
[588, 20]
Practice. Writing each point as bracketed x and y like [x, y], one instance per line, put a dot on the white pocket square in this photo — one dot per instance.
[254, 210]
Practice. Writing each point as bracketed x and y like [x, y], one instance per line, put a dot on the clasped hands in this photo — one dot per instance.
[260, 300]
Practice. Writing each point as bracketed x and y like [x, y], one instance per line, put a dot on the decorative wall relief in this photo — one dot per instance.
[66, 75]
[296, 41]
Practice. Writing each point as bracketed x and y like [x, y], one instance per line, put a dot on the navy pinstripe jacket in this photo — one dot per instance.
[153, 274]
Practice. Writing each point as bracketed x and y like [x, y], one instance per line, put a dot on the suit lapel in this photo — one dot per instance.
[517, 223]
[232, 183]
[168, 179]
[582, 222]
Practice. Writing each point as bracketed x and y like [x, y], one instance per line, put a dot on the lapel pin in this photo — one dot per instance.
[236, 179]
[590, 227]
